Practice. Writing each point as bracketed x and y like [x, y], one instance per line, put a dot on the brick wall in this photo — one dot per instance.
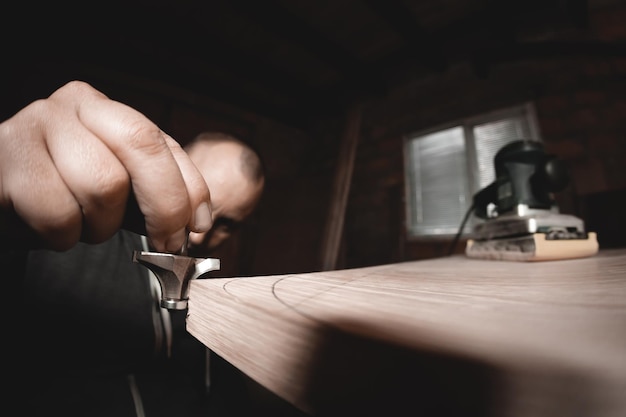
[581, 108]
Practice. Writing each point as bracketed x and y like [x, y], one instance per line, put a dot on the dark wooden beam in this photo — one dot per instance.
[422, 45]
[333, 231]
[274, 18]
[152, 45]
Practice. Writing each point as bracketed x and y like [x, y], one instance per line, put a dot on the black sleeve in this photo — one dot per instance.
[90, 307]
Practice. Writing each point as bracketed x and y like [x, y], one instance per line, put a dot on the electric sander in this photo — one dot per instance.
[519, 218]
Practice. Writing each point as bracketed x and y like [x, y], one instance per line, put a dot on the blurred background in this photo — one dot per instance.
[377, 119]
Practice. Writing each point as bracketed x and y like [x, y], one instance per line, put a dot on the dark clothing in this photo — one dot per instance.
[97, 302]
[94, 342]
[95, 336]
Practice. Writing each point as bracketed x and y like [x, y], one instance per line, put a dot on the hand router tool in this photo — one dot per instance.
[521, 219]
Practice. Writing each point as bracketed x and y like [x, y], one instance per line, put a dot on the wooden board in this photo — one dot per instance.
[449, 336]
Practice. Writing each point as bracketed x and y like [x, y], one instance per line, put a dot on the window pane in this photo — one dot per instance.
[438, 191]
[490, 137]
[446, 168]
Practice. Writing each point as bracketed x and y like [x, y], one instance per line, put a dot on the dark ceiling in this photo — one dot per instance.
[293, 60]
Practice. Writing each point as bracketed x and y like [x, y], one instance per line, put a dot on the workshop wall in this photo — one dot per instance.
[581, 107]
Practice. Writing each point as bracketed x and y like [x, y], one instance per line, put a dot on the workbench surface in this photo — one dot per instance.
[447, 336]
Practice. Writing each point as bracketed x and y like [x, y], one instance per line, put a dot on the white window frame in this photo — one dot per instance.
[416, 231]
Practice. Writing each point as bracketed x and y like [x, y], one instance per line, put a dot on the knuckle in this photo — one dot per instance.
[74, 87]
[145, 136]
[73, 92]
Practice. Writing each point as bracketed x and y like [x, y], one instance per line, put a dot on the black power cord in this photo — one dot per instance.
[460, 232]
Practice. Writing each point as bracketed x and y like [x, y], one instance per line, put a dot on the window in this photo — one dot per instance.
[446, 166]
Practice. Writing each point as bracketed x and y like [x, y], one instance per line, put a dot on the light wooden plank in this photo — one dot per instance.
[453, 335]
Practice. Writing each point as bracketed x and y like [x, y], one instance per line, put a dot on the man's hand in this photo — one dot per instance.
[69, 162]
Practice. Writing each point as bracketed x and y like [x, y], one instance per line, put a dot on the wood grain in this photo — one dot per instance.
[451, 336]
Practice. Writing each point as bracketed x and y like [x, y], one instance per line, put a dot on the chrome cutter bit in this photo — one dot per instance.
[175, 272]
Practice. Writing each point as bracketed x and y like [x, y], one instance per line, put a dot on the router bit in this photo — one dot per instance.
[174, 273]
